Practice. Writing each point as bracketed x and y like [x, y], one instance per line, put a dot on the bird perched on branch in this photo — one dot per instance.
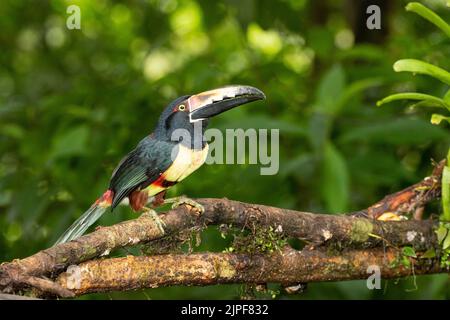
[167, 156]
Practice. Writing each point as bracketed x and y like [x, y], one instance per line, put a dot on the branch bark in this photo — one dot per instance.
[287, 268]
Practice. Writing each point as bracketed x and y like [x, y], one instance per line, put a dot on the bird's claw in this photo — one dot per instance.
[178, 201]
[150, 213]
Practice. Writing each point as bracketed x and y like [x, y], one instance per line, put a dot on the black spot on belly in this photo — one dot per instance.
[168, 184]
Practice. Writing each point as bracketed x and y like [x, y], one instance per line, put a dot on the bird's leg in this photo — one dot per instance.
[177, 201]
[148, 212]
[158, 200]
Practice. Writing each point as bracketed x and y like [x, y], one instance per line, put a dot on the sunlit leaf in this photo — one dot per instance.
[414, 96]
[268, 42]
[13, 232]
[438, 118]
[417, 66]
[409, 252]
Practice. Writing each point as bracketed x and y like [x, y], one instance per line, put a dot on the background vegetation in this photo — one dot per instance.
[73, 102]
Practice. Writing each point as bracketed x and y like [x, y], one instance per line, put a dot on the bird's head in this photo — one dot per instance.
[188, 111]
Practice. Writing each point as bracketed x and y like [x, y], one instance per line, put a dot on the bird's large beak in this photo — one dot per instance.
[213, 102]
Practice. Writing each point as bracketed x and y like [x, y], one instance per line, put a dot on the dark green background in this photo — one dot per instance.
[73, 102]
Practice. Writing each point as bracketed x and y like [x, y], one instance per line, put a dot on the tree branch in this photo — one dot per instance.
[410, 199]
[287, 268]
[318, 230]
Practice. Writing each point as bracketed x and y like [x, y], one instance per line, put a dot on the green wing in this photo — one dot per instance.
[140, 168]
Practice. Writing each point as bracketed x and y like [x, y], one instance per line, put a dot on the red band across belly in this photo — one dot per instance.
[162, 182]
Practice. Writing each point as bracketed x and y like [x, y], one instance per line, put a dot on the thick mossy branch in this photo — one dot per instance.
[316, 229]
[285, 267]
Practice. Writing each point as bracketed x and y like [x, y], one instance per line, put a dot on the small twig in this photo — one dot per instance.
[5, 296]
[409, 199]
[48, 287]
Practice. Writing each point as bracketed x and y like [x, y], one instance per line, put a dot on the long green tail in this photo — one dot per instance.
[82, 223]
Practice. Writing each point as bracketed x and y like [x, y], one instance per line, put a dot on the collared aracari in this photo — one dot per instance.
[163, 158]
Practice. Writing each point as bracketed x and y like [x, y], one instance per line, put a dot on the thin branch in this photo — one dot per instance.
[410, 199]
[4, 296]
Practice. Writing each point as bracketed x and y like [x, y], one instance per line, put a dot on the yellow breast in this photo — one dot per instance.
[186, 162]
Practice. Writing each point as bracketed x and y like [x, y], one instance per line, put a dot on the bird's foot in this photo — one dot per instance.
[178, 201]
[150, 213]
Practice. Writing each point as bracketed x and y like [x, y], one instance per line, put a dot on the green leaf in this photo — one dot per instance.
[447, 97]
[414, 96]
[330, 90]
[13, 232]
[406, 262]
[403, 131]
[436, 118]
[418, 66]
[429, 254]
[300, 164]
[409, 252]
[359, 52]
[441, 233]
[446, 243]
[72, 142]
[334, 180]
[12, 130]
[429, 15]
[445, 197]
[355, 88]
[425, 104]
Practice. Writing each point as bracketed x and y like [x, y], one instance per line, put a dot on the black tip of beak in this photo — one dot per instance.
[214, 102]
[253, 92]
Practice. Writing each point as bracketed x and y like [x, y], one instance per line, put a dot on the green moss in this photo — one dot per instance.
[186, 240]
[443, 236]
[88, 253]
[261, 239]
[224, 269]
[361, 230]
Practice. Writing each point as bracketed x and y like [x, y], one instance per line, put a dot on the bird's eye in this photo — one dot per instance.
[181, 107]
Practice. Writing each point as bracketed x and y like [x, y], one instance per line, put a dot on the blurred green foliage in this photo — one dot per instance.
[421, 67]
[73, 102]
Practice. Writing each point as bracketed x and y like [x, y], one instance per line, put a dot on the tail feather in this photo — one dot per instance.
[82, 223]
